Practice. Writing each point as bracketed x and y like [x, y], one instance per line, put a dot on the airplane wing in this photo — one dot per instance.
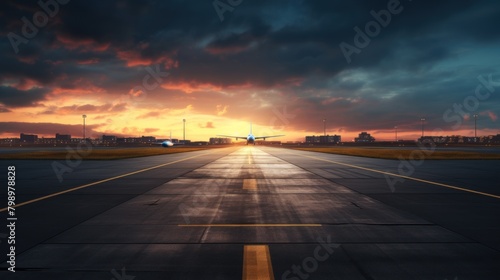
[237, 137]
[264, 137]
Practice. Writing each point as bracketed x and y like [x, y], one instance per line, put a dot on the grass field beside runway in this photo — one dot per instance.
[101, 154]
[395, 153]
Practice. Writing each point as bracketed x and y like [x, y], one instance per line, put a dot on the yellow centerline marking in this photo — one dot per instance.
[250, 225]
[257, 263]
[407, 177]
[249, 184]
[99, 182]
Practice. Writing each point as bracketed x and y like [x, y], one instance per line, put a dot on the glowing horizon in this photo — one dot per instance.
[285, 73]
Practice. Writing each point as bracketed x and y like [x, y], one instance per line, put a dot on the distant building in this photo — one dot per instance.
[9, 141]
[494, 139]
[219, 141]
[148, 139]
[312, 139]
[63, 138]
[364, 137]
[122, 140]
[28, 138]
[324, 139]
[47, 141]
[108, 139]
[330, 139]
[458, 139]
[136, 140]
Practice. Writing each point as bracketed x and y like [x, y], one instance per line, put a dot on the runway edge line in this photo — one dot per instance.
[100, 182]
[407, 177]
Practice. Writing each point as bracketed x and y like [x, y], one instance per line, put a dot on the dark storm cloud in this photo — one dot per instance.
[13, 97]
[250, 35]
[267, 44]
[47, 128]
[87, 108]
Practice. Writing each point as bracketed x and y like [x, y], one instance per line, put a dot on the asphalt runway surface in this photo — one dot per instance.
[253, 212]
[474, 149]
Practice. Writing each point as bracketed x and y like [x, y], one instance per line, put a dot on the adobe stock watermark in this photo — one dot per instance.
[471, 103]
[151, 81]
[122, 276]
[456, 114]
[310, 264]
[199, 200]
[280, 119]
[73, 159]
[406, 168]
[222, 7]
[40, 19]
[372, 29]
[281, 116]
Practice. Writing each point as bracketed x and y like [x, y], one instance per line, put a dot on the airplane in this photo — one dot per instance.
[169, 143]
[250, 138]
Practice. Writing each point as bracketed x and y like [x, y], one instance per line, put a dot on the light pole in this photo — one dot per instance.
[475, 127]
[84, 117]
[184, 130]
[422, 120]
[396, 131]
[324, 127]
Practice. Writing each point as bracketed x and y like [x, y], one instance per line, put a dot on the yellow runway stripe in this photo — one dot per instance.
[249, 225]
[99, 182]
[257, 263]
[249, 184]
[407, 177]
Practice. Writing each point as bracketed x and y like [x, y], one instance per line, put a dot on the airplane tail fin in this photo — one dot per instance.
[170, 136]
[250, 127]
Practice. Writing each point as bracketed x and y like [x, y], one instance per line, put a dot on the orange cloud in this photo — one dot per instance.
[150, 130]
[135, 58]
[190, 87]
[492, 116]
[226, 50]
[84, 44]
[88, 61]
[183, 111]
[26, 84]
[87, 108]
[207, 125]
[221, 110]
[149, 115]
[28, 59]
[84, 90]
[136, 132]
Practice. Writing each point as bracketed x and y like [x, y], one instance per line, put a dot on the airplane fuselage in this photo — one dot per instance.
[250, 139]
[166, 144]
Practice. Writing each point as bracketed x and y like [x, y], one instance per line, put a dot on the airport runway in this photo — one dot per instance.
[255, 213]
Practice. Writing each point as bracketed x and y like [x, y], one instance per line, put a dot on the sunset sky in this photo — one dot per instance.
[141, 67]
